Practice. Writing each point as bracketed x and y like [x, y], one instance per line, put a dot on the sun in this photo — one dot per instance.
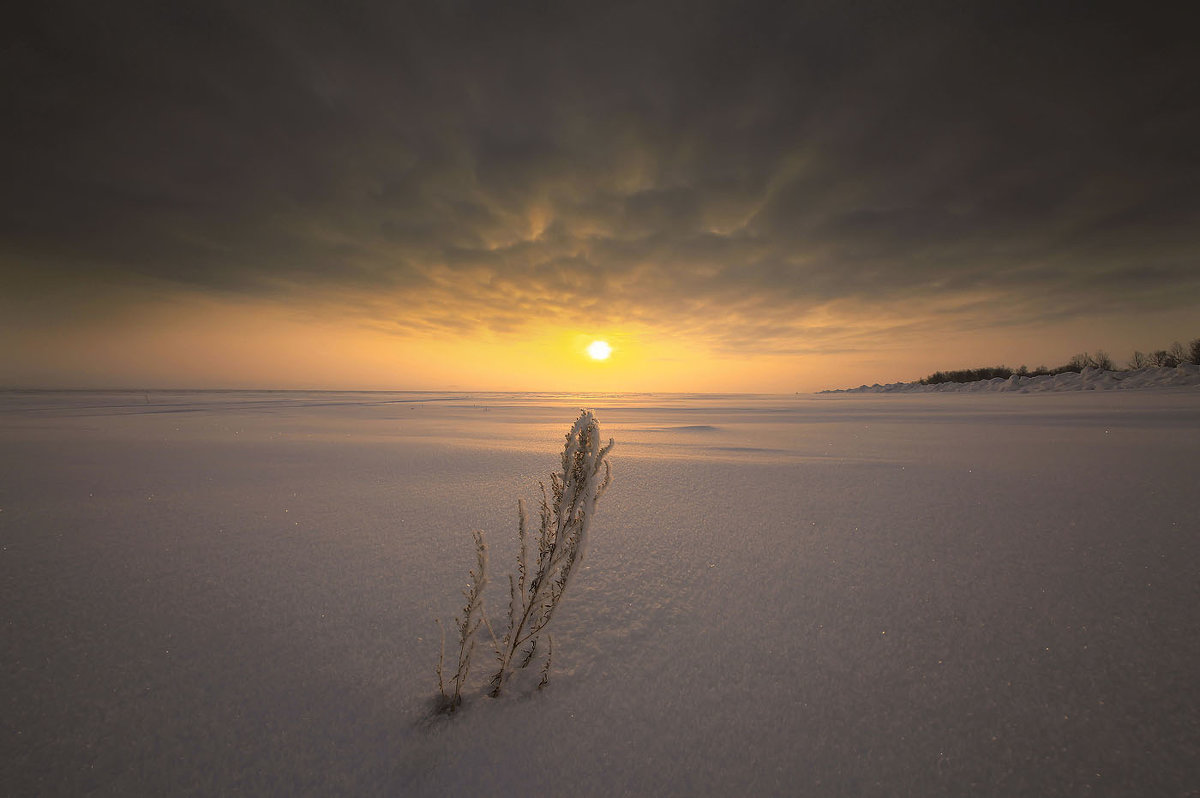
[599, 350]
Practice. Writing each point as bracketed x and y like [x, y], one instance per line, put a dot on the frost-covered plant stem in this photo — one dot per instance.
[538, 587]
[562, 538]
[467, 625]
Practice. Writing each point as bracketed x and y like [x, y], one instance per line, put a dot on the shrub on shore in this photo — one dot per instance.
[1170, 357]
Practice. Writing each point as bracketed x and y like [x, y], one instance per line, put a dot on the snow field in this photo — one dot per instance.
[212, 594]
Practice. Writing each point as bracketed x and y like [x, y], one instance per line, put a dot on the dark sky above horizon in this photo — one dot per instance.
[786, 184]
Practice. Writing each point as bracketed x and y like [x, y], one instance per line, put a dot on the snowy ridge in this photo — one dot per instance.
[1090, 379]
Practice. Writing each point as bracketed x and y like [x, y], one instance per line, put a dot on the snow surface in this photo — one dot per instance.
[1090, 379]
[215, 593]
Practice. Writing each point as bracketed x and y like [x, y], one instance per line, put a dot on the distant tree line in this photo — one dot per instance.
[1170, 357]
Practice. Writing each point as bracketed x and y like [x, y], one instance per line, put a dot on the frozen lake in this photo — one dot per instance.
[216, 593]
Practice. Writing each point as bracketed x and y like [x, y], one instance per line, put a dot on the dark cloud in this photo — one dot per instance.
[723, 169]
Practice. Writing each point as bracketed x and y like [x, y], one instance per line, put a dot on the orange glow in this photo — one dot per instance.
[196, 341]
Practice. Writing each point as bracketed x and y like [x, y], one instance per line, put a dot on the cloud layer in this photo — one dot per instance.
[781, 177]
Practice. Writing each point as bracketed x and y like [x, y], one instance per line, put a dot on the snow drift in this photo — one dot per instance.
[1090, 379]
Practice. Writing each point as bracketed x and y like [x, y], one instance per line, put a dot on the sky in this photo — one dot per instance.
[745, 197]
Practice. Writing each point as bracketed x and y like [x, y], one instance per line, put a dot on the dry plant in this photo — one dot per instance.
[537, 589]
[467, 625]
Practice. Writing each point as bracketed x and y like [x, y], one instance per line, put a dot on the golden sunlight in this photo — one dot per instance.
[599, 350]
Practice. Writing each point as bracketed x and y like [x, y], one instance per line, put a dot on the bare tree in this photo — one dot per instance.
[1163, 359]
